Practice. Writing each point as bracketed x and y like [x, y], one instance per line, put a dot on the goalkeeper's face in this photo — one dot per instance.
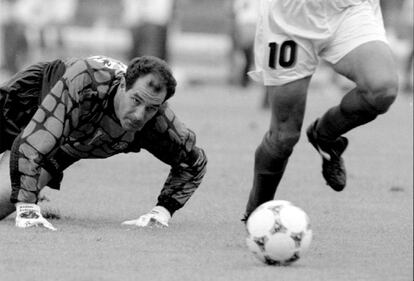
[136, 106]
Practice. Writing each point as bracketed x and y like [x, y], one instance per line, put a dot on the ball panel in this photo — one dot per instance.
[280, 247]
[260, 222]
[255, 249]
[293, 218]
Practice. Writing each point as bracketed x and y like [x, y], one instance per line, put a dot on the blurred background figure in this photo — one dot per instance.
[398, 21]
[14, 45]
[242, 32]
[44, 20]
[244, 16]
[63, 14]
[148, 21]
[406, 34]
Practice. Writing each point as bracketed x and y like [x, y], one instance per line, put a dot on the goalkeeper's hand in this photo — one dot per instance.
[29, 215]
[158, 217]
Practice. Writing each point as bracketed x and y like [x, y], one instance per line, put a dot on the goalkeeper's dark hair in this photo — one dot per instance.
[144, 65]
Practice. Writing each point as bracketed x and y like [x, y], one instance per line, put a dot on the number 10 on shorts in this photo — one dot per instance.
[283, 55]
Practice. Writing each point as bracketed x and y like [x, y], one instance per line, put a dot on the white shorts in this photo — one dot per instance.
[291, 35]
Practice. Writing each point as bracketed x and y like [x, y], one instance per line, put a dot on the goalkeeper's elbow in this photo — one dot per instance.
[199, 165]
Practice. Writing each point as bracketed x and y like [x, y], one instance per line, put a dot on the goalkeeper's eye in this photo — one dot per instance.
[136, 100]
[152, 108]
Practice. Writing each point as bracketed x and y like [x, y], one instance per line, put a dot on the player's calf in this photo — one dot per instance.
[271, 158]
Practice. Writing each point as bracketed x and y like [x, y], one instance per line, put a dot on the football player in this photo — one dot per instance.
[291, 37]
[56, 113]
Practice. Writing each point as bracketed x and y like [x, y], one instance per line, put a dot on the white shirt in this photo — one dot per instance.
[246, 11]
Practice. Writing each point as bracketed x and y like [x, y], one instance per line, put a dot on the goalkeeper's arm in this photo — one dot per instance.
[180, 185]
[170, 141]
[183, 181]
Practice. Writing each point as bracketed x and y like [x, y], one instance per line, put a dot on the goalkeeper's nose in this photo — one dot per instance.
[139, 117]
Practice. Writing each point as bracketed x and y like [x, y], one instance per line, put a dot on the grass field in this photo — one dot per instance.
[362, 233]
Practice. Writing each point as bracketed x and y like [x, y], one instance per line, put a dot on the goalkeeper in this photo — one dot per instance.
[56, 113]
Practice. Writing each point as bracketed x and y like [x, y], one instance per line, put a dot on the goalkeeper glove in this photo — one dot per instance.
[158, 217]
[28, 215]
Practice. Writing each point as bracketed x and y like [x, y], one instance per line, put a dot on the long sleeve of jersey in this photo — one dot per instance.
[74, 118]
[171, 142]
[43, 135]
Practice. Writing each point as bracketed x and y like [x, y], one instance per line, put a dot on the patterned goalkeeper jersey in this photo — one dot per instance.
[76, 120]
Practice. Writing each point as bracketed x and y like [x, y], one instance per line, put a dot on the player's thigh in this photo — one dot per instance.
[288, 103]
[6, 208]
[359, 50]
[370, 65]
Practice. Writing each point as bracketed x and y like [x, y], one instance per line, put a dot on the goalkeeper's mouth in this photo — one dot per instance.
[133, 126]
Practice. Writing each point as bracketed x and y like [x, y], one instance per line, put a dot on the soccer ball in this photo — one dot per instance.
[278, 232]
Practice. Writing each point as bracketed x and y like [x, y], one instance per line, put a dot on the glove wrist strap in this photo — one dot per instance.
[162, 210]
[27, 207]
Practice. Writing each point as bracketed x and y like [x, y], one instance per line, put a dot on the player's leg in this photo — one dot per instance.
[284, 63]
[6, 207]
[357, 50]
[287, 103]
[371, 67]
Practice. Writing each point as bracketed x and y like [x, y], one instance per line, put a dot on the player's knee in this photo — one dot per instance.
[281, 144]
[382, 94]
